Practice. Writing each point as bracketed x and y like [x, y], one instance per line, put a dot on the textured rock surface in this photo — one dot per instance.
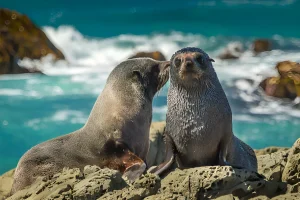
[157, 146]
[21, 38]
[6, 181]
[156, 55]
[92, 183]
[212, 182]
[269, 150]
[291, 173]
[272, 165]
[287, 197]
[145, 186]
[222, 182]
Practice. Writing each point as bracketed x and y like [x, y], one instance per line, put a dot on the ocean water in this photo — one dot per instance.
[96, 35]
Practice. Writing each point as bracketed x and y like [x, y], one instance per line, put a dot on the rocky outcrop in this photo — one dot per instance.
[21, 38]
[269, 150]
[291, 173]
[6, 181]
[92, 183]
[261, 45]
[278, 177]
[145, 186]
[216, 181]
[287, 84]
[272, 165]
[195, 183]
[232, 51]
[156, 55]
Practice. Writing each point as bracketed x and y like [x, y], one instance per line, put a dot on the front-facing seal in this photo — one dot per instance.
[199, 119]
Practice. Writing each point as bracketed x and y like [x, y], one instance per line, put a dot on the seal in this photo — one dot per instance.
[199, 120]
[116, 134]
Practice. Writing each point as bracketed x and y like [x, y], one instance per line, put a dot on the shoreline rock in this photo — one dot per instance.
[156, 55]
[261, 45]
[287, 84]
[277, 177]
[21, 38]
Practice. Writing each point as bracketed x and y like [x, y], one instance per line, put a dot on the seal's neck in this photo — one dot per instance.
[205, 92]
[116, 111]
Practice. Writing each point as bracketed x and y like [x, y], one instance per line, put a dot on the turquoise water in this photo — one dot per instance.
[95, 36]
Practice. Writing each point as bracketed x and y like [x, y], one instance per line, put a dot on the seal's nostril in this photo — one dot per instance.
[189, 64]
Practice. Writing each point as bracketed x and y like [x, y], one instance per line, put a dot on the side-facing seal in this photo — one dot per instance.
[199, 119]
[116, 134]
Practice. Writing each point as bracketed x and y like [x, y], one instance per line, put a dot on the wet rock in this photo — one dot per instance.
[279, 88]
[288, 68]
[272, 165]
[269, 150]
[157, 146]
[73, 184]
[156, 55]
[261, 45]
[291, 173]
[287, 84]
[6, 181]
[145, 186]
[21, 38]
[232, 51]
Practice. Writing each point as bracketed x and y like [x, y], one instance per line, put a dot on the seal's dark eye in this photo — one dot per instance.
[177, 62]
[200, 59]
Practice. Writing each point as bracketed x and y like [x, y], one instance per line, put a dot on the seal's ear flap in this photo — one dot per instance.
[137, 76]
[211, 60]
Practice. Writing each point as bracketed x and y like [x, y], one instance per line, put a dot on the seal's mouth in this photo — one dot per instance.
[190, 74]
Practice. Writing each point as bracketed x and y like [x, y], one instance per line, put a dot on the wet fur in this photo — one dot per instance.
[199, 122]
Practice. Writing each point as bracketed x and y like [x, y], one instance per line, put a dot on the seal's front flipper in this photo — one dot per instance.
[134, 165]
[134, 171]
[169, 157]
[116, 155]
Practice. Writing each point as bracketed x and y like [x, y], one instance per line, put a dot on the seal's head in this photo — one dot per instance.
[145, 75]
[191, 65]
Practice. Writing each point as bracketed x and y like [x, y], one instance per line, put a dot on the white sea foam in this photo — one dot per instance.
[10, 92]
[90, 60]
[70, 115]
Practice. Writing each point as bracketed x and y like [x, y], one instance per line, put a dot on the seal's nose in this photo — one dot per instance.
[189, 64]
